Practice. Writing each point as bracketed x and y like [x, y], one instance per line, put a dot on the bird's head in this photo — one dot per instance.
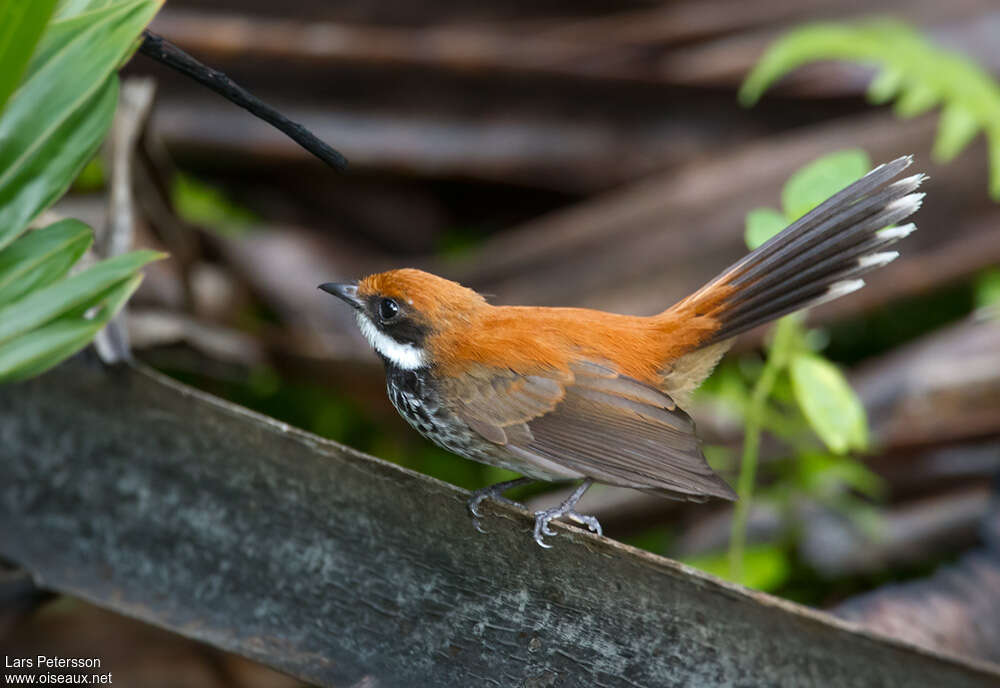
[400, 310]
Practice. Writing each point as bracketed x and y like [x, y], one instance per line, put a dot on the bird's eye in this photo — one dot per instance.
[387, 310]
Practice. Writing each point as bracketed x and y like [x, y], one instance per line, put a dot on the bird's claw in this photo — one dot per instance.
[586, 520]
[478, 526]
[494, 491]
[473, 506]
[543, 519]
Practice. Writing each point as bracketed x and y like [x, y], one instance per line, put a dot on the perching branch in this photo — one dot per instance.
[144, 496]
[164, 51]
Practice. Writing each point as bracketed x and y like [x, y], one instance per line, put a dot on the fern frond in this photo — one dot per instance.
[912, 71]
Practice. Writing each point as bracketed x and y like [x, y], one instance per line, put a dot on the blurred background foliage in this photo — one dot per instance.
[594, 155]
[912, 70]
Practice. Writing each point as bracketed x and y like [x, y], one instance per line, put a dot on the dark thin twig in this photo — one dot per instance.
[164, 51]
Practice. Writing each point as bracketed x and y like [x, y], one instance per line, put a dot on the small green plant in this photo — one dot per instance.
[987, 289]
[207, 206]
[796, 394]
[913, 71]
[58, 92]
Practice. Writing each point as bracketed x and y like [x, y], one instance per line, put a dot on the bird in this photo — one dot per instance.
[573, 394]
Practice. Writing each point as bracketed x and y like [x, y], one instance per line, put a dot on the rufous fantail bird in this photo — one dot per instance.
[560, 394]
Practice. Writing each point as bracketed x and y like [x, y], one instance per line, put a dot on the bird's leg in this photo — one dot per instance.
[567, 509]
[496, 492]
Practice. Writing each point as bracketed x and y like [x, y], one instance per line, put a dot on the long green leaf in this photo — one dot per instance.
[47, 304]
[53, 123]
[72, 8]
[41, 257]
[65, 32]
[21, 25]
[37, 351]
[58, 116]
[41, 349]
[38, 180]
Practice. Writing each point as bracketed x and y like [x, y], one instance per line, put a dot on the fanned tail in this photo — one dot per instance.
[818, 258]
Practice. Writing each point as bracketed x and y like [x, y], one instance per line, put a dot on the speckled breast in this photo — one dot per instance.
[414, 394]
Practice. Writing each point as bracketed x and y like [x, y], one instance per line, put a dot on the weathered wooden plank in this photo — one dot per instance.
[146, 497]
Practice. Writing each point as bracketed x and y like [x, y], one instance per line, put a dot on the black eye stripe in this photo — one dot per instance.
[406, 326]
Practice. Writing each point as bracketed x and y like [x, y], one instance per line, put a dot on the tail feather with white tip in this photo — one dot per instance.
[819, 257]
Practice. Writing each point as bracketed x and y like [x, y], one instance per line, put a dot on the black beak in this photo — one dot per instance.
[345, 292]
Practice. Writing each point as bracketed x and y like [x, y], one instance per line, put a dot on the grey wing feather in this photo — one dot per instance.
[597, 423]
[617, 440]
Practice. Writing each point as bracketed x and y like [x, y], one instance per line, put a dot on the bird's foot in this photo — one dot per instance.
[543, 518]
[495, 492]
[567, 509]
[586, 520]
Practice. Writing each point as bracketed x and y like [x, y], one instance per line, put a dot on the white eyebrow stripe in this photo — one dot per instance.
[405, 356]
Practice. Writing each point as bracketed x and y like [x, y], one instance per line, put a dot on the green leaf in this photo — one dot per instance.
[820, 179]
[205, 205]
[37, 351]
[987, 288]
[916, 99]
[765, 567]
[885, 86]
[958, 127]
[47, 304]
[761, 225]
[34, 353]
[993, 138]
[911, 68]
[821, 41]
[825, 475]
[61, 111]
[92, 177]
[51, 127]
[72, 8]
[41, 257]
[21, 25]
[720, 457]
[33, 183]
[829, 404]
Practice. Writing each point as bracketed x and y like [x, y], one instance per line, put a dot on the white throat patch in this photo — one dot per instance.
[405, 356]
